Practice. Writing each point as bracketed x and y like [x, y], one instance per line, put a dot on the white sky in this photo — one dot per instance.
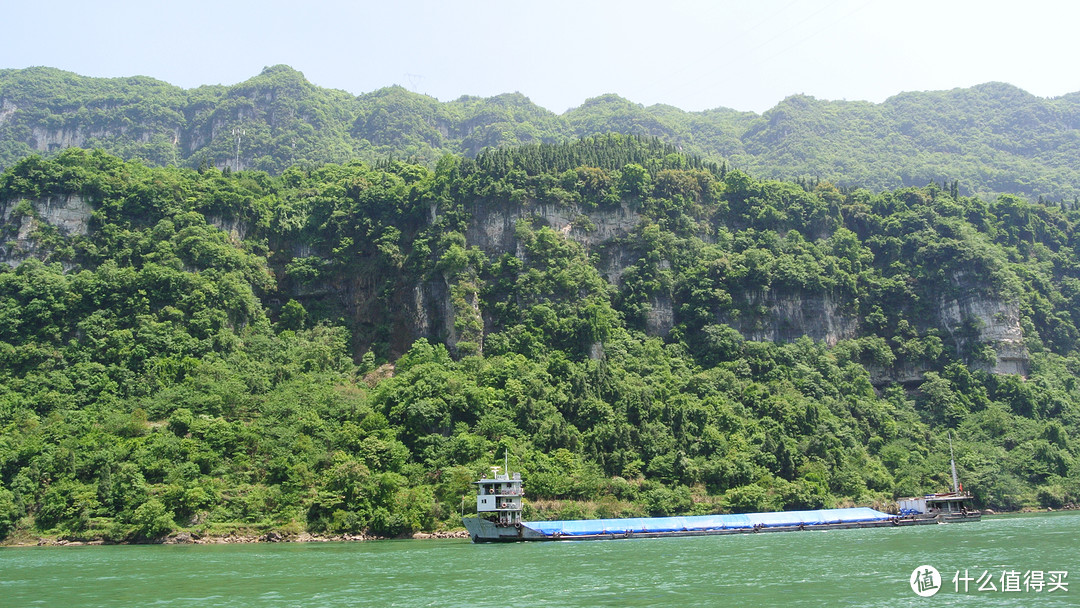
[746, 54]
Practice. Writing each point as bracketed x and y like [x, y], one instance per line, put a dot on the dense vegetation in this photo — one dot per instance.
[993, 138]
[159, 373]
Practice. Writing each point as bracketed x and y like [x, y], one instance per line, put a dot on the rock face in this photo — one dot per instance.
[237, 229]
[44, 139]
[70, 214]
[897, 374]
[968, 313]
[791, 316]
[7, 109]
[492, 227]
[661, 316]
[974, 316]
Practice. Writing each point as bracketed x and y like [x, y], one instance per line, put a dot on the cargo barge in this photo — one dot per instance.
[499, 518]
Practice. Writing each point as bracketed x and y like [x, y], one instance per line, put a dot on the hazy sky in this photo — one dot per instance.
[746, 54]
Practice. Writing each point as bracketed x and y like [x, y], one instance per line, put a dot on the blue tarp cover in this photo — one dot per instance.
[583, 527]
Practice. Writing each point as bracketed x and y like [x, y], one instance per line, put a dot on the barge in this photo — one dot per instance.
[499, 518]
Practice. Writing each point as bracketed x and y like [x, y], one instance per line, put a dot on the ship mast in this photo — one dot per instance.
[952, 460]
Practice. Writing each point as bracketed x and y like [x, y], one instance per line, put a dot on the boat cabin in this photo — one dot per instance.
[949, 503]
[498, 498]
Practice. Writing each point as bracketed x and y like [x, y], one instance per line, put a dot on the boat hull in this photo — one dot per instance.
[481, 531]
[484, 531]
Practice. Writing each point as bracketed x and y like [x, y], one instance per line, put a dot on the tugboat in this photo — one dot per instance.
[498, 509]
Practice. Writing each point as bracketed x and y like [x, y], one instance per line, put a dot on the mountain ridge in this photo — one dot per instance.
[993, 138]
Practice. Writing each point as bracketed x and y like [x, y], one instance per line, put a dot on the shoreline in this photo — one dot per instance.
[237, 538]
[191, 538]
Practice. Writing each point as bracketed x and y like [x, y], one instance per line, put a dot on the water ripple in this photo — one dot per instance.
[863, 567]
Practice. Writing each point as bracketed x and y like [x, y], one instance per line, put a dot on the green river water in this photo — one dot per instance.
[843, 567]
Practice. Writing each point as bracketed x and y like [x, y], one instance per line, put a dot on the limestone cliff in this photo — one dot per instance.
[972, 316]
[22, 219]
[789, 316]
[396, 310]
[492, 226]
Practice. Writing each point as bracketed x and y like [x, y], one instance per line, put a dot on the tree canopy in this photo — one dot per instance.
[344, 348]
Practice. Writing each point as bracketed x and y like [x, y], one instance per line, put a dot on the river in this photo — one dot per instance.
[869, 567]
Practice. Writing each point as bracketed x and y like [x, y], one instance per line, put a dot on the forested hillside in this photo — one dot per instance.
[344, 347]
[992, 138]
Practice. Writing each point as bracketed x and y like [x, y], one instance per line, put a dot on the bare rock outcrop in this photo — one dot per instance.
[70, 214]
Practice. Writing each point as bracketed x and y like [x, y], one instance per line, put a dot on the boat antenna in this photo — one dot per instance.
[952, 459]
[506, 462]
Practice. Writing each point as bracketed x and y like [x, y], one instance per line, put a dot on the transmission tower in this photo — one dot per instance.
[414, 80]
